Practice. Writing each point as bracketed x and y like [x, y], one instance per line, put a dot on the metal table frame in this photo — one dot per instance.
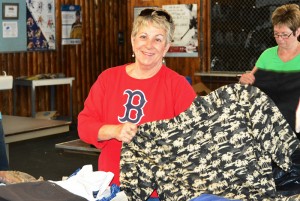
[43, 82]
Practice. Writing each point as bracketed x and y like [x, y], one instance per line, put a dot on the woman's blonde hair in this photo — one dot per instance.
[159, 18]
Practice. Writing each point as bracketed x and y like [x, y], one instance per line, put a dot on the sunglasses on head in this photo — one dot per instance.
[149, 12]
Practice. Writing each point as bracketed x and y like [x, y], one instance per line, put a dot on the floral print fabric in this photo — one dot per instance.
[223, 144]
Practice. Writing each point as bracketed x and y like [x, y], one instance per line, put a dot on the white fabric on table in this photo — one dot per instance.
[86, 181]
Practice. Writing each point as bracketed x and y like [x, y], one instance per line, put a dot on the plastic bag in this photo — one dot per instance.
[288, 183]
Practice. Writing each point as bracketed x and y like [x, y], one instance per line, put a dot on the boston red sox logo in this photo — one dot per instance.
[134, 112]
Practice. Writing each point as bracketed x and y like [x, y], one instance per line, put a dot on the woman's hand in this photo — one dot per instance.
[126, 132]
[122, 132]
[247, 78]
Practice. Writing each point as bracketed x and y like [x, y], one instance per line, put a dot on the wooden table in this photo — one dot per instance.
[18, 128]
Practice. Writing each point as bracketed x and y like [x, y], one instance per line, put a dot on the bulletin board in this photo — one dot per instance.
[12, 25]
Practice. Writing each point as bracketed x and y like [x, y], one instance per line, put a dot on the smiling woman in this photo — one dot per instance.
[126, 96]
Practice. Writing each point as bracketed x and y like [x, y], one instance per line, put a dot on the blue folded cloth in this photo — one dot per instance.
[114, 189]
[210, 197]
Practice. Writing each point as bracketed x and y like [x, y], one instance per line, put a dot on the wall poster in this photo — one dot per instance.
[40, 17]
[185, 43]
[71, 24]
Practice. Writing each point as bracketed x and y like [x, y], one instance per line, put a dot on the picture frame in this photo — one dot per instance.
[10, 11]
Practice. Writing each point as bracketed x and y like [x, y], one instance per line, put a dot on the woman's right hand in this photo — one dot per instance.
[122, 132]
[247, 78]
[126, 132]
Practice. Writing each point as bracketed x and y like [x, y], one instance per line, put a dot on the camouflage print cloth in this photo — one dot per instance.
[223, 144]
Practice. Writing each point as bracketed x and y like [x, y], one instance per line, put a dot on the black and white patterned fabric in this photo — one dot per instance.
[223, 144]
